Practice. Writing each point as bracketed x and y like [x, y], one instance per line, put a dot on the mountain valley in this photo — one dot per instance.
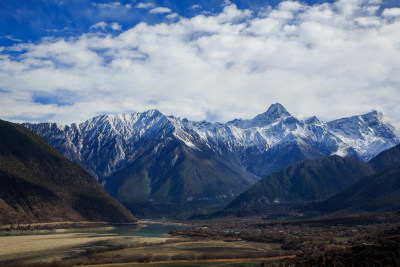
[152, 160]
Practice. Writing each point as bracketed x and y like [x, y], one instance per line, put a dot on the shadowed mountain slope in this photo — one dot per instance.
[378, 192]
[37, 184]
[339, 185]
[386, 158]
[307, 180]
[181, 178]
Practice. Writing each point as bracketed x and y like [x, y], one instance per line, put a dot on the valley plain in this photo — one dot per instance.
[222, 242]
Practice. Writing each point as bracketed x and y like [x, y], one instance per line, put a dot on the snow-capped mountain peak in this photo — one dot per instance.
[312, 120]
[274, 112]
[106, 143]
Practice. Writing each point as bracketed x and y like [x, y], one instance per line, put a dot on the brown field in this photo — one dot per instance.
[56, 247]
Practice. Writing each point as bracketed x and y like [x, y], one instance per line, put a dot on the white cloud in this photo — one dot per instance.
[115, 26]
[144, 5]
[172, 16]
[160, 10]
[107, 5]
[100, 25]
[316, 60]
[391, 12]
[10, 37]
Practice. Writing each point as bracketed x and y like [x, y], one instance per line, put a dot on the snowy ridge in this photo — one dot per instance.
[106, 143]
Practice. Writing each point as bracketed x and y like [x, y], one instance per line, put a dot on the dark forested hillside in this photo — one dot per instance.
[307, 180]
[386, 158]
[37, 184]
[378, 192]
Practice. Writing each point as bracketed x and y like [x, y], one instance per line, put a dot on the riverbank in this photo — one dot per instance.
[58, 226]
[49, 242]
[121, 244]
[57, 247]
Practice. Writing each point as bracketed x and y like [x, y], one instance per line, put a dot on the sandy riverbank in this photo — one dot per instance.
[54, 247]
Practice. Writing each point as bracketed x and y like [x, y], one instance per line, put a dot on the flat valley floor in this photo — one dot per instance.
[370, 240]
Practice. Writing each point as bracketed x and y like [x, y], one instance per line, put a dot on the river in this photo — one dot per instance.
[144, 229]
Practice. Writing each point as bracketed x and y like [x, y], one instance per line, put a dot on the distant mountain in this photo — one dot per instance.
[37, 184]
[107, 143]
[304, 181]
[204, 161]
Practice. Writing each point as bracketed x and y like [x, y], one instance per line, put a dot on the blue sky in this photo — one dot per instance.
[66, 61]
[28, 20]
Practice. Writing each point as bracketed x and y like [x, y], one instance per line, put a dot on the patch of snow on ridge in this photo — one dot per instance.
[186, 141]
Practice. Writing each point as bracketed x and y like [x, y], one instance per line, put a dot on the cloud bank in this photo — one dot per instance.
[329, 60]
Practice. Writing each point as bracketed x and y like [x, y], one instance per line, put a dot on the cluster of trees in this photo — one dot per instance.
[303, 237]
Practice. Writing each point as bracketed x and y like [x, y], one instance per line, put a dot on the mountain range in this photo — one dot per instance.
[38, 184]
[150, 161]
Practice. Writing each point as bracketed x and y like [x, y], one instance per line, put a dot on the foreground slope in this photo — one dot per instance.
[37, 184]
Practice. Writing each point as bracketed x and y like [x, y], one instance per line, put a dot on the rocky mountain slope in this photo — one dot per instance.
[109, 142]
[38, 184]
[153, 158]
